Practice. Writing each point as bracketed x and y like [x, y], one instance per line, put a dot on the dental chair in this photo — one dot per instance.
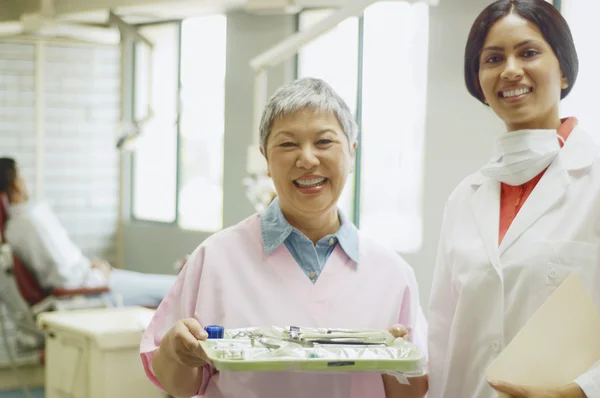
[24, 298]
[38, 298]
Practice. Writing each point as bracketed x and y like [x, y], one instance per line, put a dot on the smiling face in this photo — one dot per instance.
[520, 75]
[309, 160]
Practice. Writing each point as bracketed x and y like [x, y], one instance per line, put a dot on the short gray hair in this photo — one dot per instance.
[305, 93]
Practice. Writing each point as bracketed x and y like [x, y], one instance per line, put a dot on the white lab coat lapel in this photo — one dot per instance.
[485, 204]
[578, 152]
[549, 190]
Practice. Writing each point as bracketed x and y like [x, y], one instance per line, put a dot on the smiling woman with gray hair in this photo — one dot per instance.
[299, 262]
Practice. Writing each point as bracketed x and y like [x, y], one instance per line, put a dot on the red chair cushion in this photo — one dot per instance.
[28, 285]
[3, 214]
[61, 292]
[30, 289]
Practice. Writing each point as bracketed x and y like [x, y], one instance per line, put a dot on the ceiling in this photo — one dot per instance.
[132, 11]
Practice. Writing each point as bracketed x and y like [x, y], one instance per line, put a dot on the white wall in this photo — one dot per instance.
[17, 107]
[81, 162]
[459, 130]
[581, 101]
[80, 169]
[81, 106]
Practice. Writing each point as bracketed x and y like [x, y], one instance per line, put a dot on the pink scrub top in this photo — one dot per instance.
[229, 280]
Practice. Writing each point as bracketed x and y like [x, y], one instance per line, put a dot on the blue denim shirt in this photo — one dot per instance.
[275, 230]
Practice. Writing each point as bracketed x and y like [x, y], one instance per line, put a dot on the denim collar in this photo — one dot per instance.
[275, 229]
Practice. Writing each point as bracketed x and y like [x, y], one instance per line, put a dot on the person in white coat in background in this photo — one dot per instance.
[36, 235]
[515, 229]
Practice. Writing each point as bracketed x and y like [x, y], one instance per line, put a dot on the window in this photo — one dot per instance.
[333, 58]
[178, 161]
[393, 122]
[202, 123]
[155, 159]
[582, 102]
[380, 69]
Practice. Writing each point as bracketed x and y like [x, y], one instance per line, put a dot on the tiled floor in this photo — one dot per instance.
[20, 394]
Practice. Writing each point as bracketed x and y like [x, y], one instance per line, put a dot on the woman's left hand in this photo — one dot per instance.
[517, 391]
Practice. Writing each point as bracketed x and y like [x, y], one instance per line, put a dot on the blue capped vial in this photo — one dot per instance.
[215, 331]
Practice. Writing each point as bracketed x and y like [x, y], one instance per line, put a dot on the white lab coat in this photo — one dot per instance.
[484, 293]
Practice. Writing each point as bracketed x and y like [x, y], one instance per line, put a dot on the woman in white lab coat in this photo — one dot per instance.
[516, 228]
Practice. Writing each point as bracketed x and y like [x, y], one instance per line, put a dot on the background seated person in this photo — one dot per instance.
[42, 243]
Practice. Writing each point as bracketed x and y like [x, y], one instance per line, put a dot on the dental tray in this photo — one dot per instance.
[275, 349]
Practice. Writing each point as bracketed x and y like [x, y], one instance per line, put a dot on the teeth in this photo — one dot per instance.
[515, 93]
[309, 183]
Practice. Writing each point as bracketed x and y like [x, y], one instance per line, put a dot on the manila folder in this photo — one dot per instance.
[560, 342]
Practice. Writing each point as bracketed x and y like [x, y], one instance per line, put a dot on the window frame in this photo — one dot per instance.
[178, 26]
[358, 117]
[358, 153]
[132, 163]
